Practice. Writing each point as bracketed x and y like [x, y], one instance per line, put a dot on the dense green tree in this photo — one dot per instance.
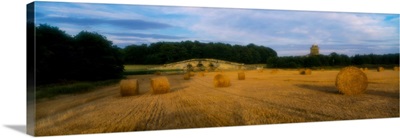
[98, 58]
[135, 54]
[53, 54]
[167, 52]
[312, 61]
[255, 53]
[333, 59]
[375, 59]
[87, 56]
[345, 60]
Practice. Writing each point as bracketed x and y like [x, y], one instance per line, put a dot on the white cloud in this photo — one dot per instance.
[86, 11]
[290, 27]
[301, 30]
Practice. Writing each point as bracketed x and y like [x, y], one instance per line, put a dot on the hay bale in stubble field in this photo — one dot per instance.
[305, 72]
[380, 69]
[308, 72]
[365, 69]
[241, 76]
[221, 81]
[129, 87]
[396, 68]
[186, 76]
[351, 81]
[160, 85]
[302, 72]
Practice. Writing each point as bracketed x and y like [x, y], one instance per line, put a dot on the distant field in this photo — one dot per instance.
[284, 96]
[50, 91]
[144, 69]
[254, 66]
[138, 67]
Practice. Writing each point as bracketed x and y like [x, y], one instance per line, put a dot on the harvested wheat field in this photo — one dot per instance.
[262, 98]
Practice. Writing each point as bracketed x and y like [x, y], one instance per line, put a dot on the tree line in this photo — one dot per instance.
[168, 52]
[88, 56]
[333, 59]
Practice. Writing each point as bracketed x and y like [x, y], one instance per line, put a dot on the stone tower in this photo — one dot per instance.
[314, 50]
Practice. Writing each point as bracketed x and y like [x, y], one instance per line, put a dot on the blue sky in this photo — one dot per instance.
[287, 32]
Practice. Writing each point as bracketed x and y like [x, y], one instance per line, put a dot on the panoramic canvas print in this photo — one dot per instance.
[101, 68]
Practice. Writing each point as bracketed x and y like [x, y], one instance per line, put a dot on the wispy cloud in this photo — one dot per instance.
[120, 23]
[157, 36]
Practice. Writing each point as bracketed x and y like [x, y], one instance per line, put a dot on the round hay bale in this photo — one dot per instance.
[191, 74]
[396, 68]
[129, 87]
[241, 76]
[160, 85]
[351, 81]
[380, 69]
[221, 81]
[301, 71]
[365, 69]
[305, 72]
[308, 72]
[186, 76]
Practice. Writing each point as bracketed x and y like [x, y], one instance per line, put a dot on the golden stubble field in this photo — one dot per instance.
[262, 98]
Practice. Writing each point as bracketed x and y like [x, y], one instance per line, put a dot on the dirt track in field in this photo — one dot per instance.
[262, 98]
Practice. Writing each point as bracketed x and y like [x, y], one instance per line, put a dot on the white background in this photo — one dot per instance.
[13, 74]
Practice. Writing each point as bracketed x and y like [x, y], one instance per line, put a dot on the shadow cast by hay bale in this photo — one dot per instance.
[333, 90]
[324, 89]
[382, 94]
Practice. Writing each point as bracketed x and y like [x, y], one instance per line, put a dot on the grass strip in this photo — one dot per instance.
[50, 91]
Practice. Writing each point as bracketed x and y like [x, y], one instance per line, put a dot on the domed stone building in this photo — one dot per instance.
[314, 50]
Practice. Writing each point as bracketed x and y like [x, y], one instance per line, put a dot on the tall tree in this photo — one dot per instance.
[134, 54]
[54, 50]
[99, 59]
